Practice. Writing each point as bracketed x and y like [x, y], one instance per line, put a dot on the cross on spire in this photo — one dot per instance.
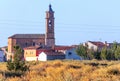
[50, 8]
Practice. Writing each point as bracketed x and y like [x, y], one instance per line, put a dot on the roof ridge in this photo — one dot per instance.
[27, 36]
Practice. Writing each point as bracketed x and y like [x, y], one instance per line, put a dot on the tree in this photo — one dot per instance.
[117, 53]
[90, 54]
[17, 64]
[82, 51]
[103, 54]
[110, 55]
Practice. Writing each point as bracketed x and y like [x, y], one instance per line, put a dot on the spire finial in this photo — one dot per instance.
[50, 8]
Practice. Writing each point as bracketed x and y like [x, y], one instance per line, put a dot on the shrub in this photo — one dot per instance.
[114, 71]
[17, 65]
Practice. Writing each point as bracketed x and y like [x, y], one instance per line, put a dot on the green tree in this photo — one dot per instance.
[90, 54]
[110, 54]
[17, 64]
[103, 54]
[97, 55]
[82, 51]
[115, 50]
[117, 53]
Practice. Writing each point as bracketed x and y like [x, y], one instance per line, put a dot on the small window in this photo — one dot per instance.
[69, 53]
[33, 43]
[40, 43]
[30, 52]
[26, 44]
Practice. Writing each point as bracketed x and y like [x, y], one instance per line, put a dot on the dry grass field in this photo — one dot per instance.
[68, 71]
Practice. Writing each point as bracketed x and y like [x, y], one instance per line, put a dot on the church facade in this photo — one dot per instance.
[46, 40]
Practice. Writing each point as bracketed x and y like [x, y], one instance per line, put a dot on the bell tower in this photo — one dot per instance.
[49, 36]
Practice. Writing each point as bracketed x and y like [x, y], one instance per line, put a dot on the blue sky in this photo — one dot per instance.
[76, 21]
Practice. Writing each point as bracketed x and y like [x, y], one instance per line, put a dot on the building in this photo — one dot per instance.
[31, 53]
[69, 51]
[96, 45]
[71, 54]
[44, 56]
[26, 40]
[35, 53]
[2, 56]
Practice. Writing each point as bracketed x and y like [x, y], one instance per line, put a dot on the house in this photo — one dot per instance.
[34, 53]
[4, 49]
[96, 45]
[71, 54]
[2, 56]
[44, 56]
[31, 53]
[69, 51]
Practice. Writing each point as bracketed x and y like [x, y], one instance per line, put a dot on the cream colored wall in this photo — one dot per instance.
[31, 58]
[29, 53]
[11, 44]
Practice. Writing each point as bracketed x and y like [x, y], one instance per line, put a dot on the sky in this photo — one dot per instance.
[76, 21]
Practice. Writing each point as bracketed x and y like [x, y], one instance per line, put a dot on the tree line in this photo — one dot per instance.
[106, 53]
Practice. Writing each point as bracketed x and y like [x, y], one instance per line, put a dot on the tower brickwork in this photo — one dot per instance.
[49, 36]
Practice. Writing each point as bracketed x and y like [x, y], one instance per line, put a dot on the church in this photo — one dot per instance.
[46, 40]
[41, 47]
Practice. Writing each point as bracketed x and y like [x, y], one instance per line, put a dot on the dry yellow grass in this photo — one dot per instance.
[69, 71]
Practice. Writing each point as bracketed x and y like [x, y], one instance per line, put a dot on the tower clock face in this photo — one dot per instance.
[50, 23]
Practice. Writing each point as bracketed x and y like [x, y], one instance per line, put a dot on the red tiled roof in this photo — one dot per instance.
[63, 47]
[99, 44]
[43, 50]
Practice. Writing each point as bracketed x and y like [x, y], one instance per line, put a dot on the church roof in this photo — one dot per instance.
[28, 36]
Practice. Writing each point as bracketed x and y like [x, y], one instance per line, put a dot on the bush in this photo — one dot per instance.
[114, 71]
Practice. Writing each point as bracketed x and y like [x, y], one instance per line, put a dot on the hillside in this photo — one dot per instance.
[68, 71]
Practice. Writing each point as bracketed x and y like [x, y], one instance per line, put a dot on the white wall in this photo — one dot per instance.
[42, 57]
[92, 46]
[31, 58]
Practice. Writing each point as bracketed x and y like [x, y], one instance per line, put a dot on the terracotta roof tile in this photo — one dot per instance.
[63, 47]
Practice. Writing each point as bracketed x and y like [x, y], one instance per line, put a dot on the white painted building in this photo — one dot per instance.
[44, 56]
[95, 45]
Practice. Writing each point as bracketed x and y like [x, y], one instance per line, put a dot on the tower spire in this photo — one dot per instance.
[50, 8]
